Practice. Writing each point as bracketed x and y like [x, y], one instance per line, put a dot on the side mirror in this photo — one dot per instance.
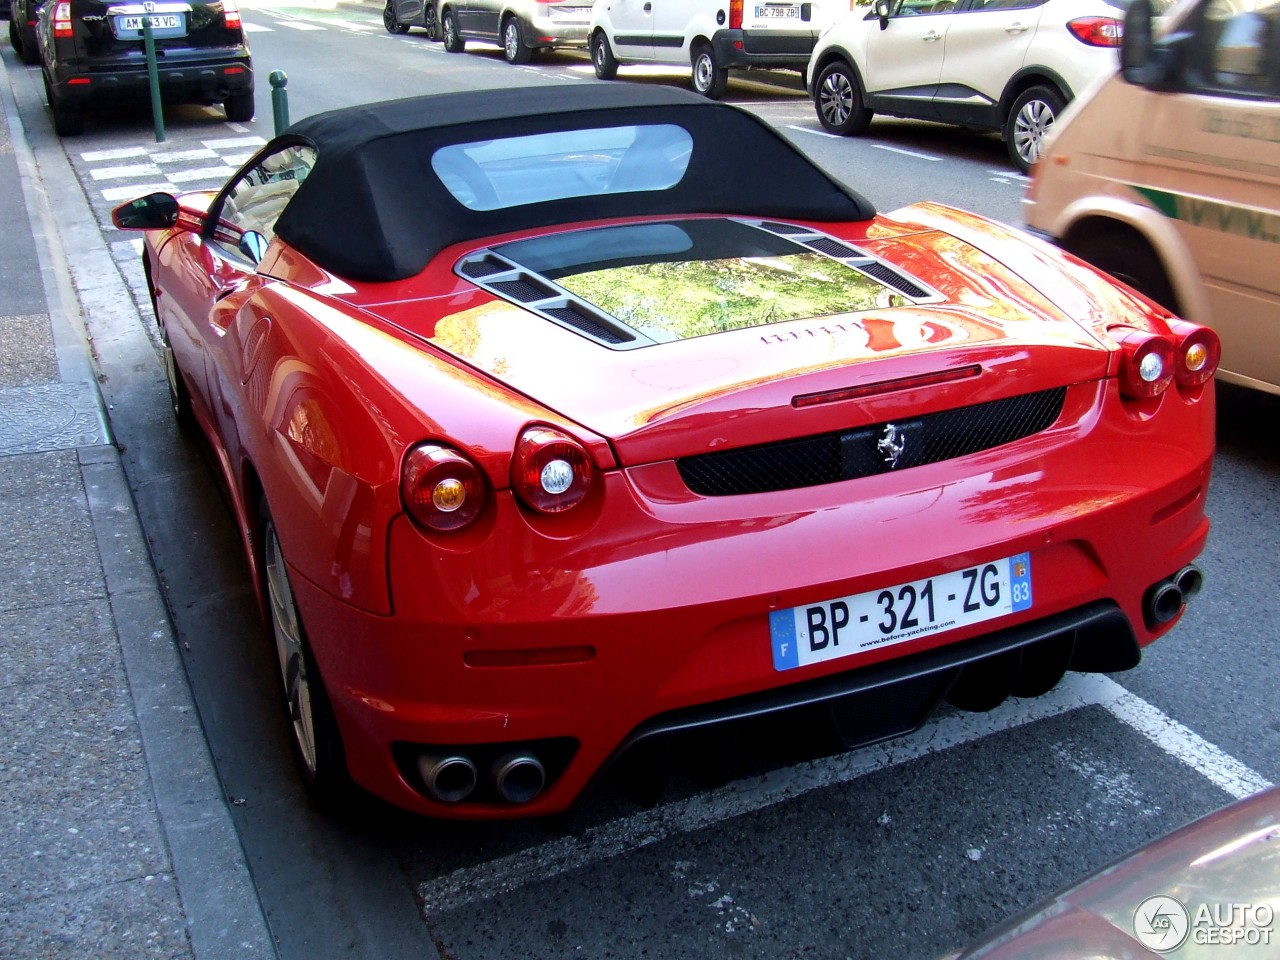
[253, 245]
[1137, 47]
[156, 211]
[882, 10]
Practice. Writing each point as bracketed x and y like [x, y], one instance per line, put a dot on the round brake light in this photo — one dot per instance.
[440, 488]
[551, 471]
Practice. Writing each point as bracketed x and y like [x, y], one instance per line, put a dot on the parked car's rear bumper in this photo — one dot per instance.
[759, 48]
[664, 623]
[202, 81]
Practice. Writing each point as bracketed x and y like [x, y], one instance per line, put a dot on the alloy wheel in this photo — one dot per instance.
[287, 630]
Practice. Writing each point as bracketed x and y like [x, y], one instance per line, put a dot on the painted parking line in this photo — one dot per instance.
[471, 885]
[816, 133]
[908, 153]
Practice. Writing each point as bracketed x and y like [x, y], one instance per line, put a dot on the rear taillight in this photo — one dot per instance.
[735, 14]
[1198, 353]
[62, 20]
[1097, 31]
[1147, 363]
[231, 13]
[440, 488]
[551, 471]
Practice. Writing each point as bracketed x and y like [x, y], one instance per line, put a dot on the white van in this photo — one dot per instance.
[1168, 174]
[709, 36]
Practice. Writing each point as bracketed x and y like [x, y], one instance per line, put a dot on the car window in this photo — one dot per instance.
[254, 202]
[1238, 48]
[512, 171]
[977, 6]
[915, 8]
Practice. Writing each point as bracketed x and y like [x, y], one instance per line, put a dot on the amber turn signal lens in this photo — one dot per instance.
[1199, 351]
[440, 488]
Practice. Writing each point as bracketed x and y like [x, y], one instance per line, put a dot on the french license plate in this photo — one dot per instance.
[880, 618]
[162, 24]
[777, 13]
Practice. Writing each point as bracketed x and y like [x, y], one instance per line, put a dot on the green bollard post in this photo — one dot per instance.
[153, 76]
[279, 100]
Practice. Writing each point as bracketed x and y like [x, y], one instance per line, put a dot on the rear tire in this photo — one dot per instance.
[709, 78]
[317, 742]
[239, 107]
[602, 57]
[513, 47]
[391, 19]
[431, 20]
[449, 34]
[179, 397]
[838, 100]
[68, 120]
[29, 55]
[1030, 120]
[1127, 257]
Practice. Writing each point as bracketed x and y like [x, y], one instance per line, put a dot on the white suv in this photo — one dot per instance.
[1007, 65]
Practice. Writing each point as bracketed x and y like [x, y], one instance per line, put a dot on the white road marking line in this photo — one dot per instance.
[116, 194]
[123, 173]
[1219, 768]
[360, 27]
[299, 25]
[816, 133]
[94, 156]
[470, 885]
[240, 142]
[204, 173]
[182, 156]
[1010, 175]
[255, 27]
[235, 159]
[238, 127]
[908, 153]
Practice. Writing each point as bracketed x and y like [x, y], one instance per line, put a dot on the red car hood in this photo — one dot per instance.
[738, 387]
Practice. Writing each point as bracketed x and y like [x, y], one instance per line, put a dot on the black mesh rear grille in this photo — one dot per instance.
[487, 267]
[523, 290]
[831, 248]
[862, 452]
[893, 278]
[588, 325]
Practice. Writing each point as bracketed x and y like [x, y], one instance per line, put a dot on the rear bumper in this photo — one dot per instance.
[543, 32]
[665, 603]
[81, 83]
[764, 48]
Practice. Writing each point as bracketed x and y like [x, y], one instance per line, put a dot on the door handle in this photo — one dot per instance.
[1015, 28]
[931, 36]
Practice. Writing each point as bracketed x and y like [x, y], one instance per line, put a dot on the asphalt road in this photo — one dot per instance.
[904, 850]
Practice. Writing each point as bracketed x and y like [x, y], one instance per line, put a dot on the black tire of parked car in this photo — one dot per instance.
[317, 742]
[28, 53]
[1029, 121]
[431, 20]
[602, 57]
[1126, 255]
[513, 45]
[68, 120]
[391, 19]
[709, 78]
[838, 100]
[239, 107]
[449, 34]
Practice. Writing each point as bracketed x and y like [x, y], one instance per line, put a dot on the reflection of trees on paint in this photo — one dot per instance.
[674, 301]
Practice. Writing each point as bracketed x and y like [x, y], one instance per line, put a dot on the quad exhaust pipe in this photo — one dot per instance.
[1164, 600]
[516, 777]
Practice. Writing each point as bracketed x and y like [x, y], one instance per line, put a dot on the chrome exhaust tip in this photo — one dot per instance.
[449, 779]
[1164, 602]
[518, 777]
[1190, 580]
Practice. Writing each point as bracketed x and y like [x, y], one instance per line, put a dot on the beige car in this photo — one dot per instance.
[1167, 175]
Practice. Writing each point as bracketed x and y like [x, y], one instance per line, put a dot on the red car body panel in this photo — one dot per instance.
[313, 388]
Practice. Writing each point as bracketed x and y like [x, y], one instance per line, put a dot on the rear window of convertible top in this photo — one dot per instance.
[510, 172]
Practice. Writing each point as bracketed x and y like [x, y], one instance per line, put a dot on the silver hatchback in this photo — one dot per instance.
[519, 26]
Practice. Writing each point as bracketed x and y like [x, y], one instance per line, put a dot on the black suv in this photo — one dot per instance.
[22, 29]
[91, 52]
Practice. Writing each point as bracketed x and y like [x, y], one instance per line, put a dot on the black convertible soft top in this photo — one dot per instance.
[373, 209]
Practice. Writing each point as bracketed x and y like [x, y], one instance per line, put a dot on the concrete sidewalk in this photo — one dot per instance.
[115, 835]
